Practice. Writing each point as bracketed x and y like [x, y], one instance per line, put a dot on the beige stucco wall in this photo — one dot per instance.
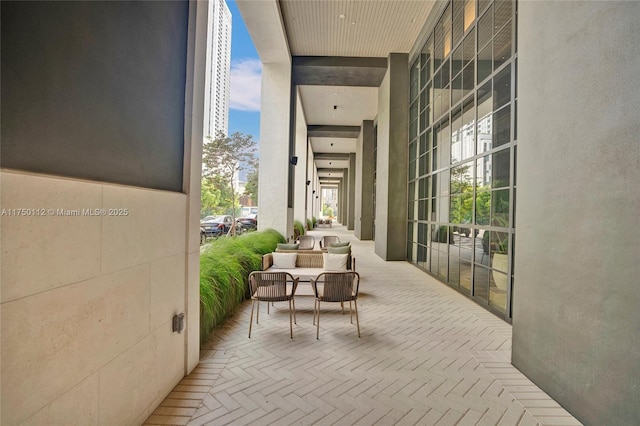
[576, 288]
[87, 301]
[274, 149]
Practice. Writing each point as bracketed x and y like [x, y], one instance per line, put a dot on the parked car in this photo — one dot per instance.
[218, 225]
[464, 231]
[248, 223]
[206, 218]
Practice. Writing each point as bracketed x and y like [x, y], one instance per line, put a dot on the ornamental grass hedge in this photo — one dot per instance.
[225, 264]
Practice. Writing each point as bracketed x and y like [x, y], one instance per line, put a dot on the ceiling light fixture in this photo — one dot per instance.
[342, 16]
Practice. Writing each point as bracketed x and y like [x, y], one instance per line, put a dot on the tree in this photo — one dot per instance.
[209, 197]
[226, 156]
[251, 188]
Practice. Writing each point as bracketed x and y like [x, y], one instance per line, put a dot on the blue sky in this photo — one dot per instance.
[244, 105]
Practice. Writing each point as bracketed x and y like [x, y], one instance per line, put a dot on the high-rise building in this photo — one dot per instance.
[218, 70]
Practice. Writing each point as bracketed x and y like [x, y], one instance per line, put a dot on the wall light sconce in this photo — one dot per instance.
[308, 182]
[314, 191]
[178, 323]
[294, 160]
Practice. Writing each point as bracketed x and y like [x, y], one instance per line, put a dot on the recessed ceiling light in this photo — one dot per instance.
[353, 22]
[342, 16]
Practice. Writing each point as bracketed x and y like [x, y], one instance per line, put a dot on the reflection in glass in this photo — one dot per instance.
[445, 99]
[481, 248]
[458, 21]
[423, 165]
[502, 46]
[502, 87]
[427, 60]
[500, 208]
[468, 129]
[456, 136]
[502, 13]
[483, 207]
[498, 291]
[466, 208]
[422, 256]
[502, 126]
[424, 142]
[485, 62]
[446, 23]
[469, 13]
[481, 283]
[500, 169]
[456, 60]
[468, 80]
[483, 173]
[422, 209]
[485, 118]
[485, 28]
[456, 89]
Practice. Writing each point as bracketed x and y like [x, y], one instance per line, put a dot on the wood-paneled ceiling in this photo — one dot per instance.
[335, 28]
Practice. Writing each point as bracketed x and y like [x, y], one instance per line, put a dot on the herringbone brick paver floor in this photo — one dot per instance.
[427, 356]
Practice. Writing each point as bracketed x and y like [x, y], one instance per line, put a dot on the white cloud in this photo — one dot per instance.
[245, 85]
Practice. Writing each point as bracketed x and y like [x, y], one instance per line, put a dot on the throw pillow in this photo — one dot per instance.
[334, 262]
[283, 246]
[339, 250]
[284, 260]
[342, 244]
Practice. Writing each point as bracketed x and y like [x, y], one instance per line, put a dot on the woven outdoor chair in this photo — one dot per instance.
[327, 240]
[306, 242]
[272, 287]
[336, 287]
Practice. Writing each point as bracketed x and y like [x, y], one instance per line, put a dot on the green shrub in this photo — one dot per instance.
[309, 224]
[224, 269]
[298, 228]
[314, 221]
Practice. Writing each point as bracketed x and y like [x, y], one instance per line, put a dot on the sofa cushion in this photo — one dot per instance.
[341, 244]
[335, 262]
[283, 246]
[339, 250]
[284, 260]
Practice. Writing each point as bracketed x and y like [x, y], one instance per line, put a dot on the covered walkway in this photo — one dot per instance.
[427, 356]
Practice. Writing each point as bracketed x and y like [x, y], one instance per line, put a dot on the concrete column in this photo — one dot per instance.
[194, 117]
[391, 183]
[576, 291]
[300, 171]
[363, 208]
[274, 149]
[344, 197]
[352, 191]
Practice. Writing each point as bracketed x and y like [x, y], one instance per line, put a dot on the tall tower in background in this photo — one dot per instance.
[218, 70]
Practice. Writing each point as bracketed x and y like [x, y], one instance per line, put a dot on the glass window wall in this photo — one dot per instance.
[462, 151]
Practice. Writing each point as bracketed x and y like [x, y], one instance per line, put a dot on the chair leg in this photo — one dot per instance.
[342, 306]
[294, 310]
[258, 313]
[290, 320]
[315, 303]
[251, 319]
[350, 313]
[318, 323]
[355, 303]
